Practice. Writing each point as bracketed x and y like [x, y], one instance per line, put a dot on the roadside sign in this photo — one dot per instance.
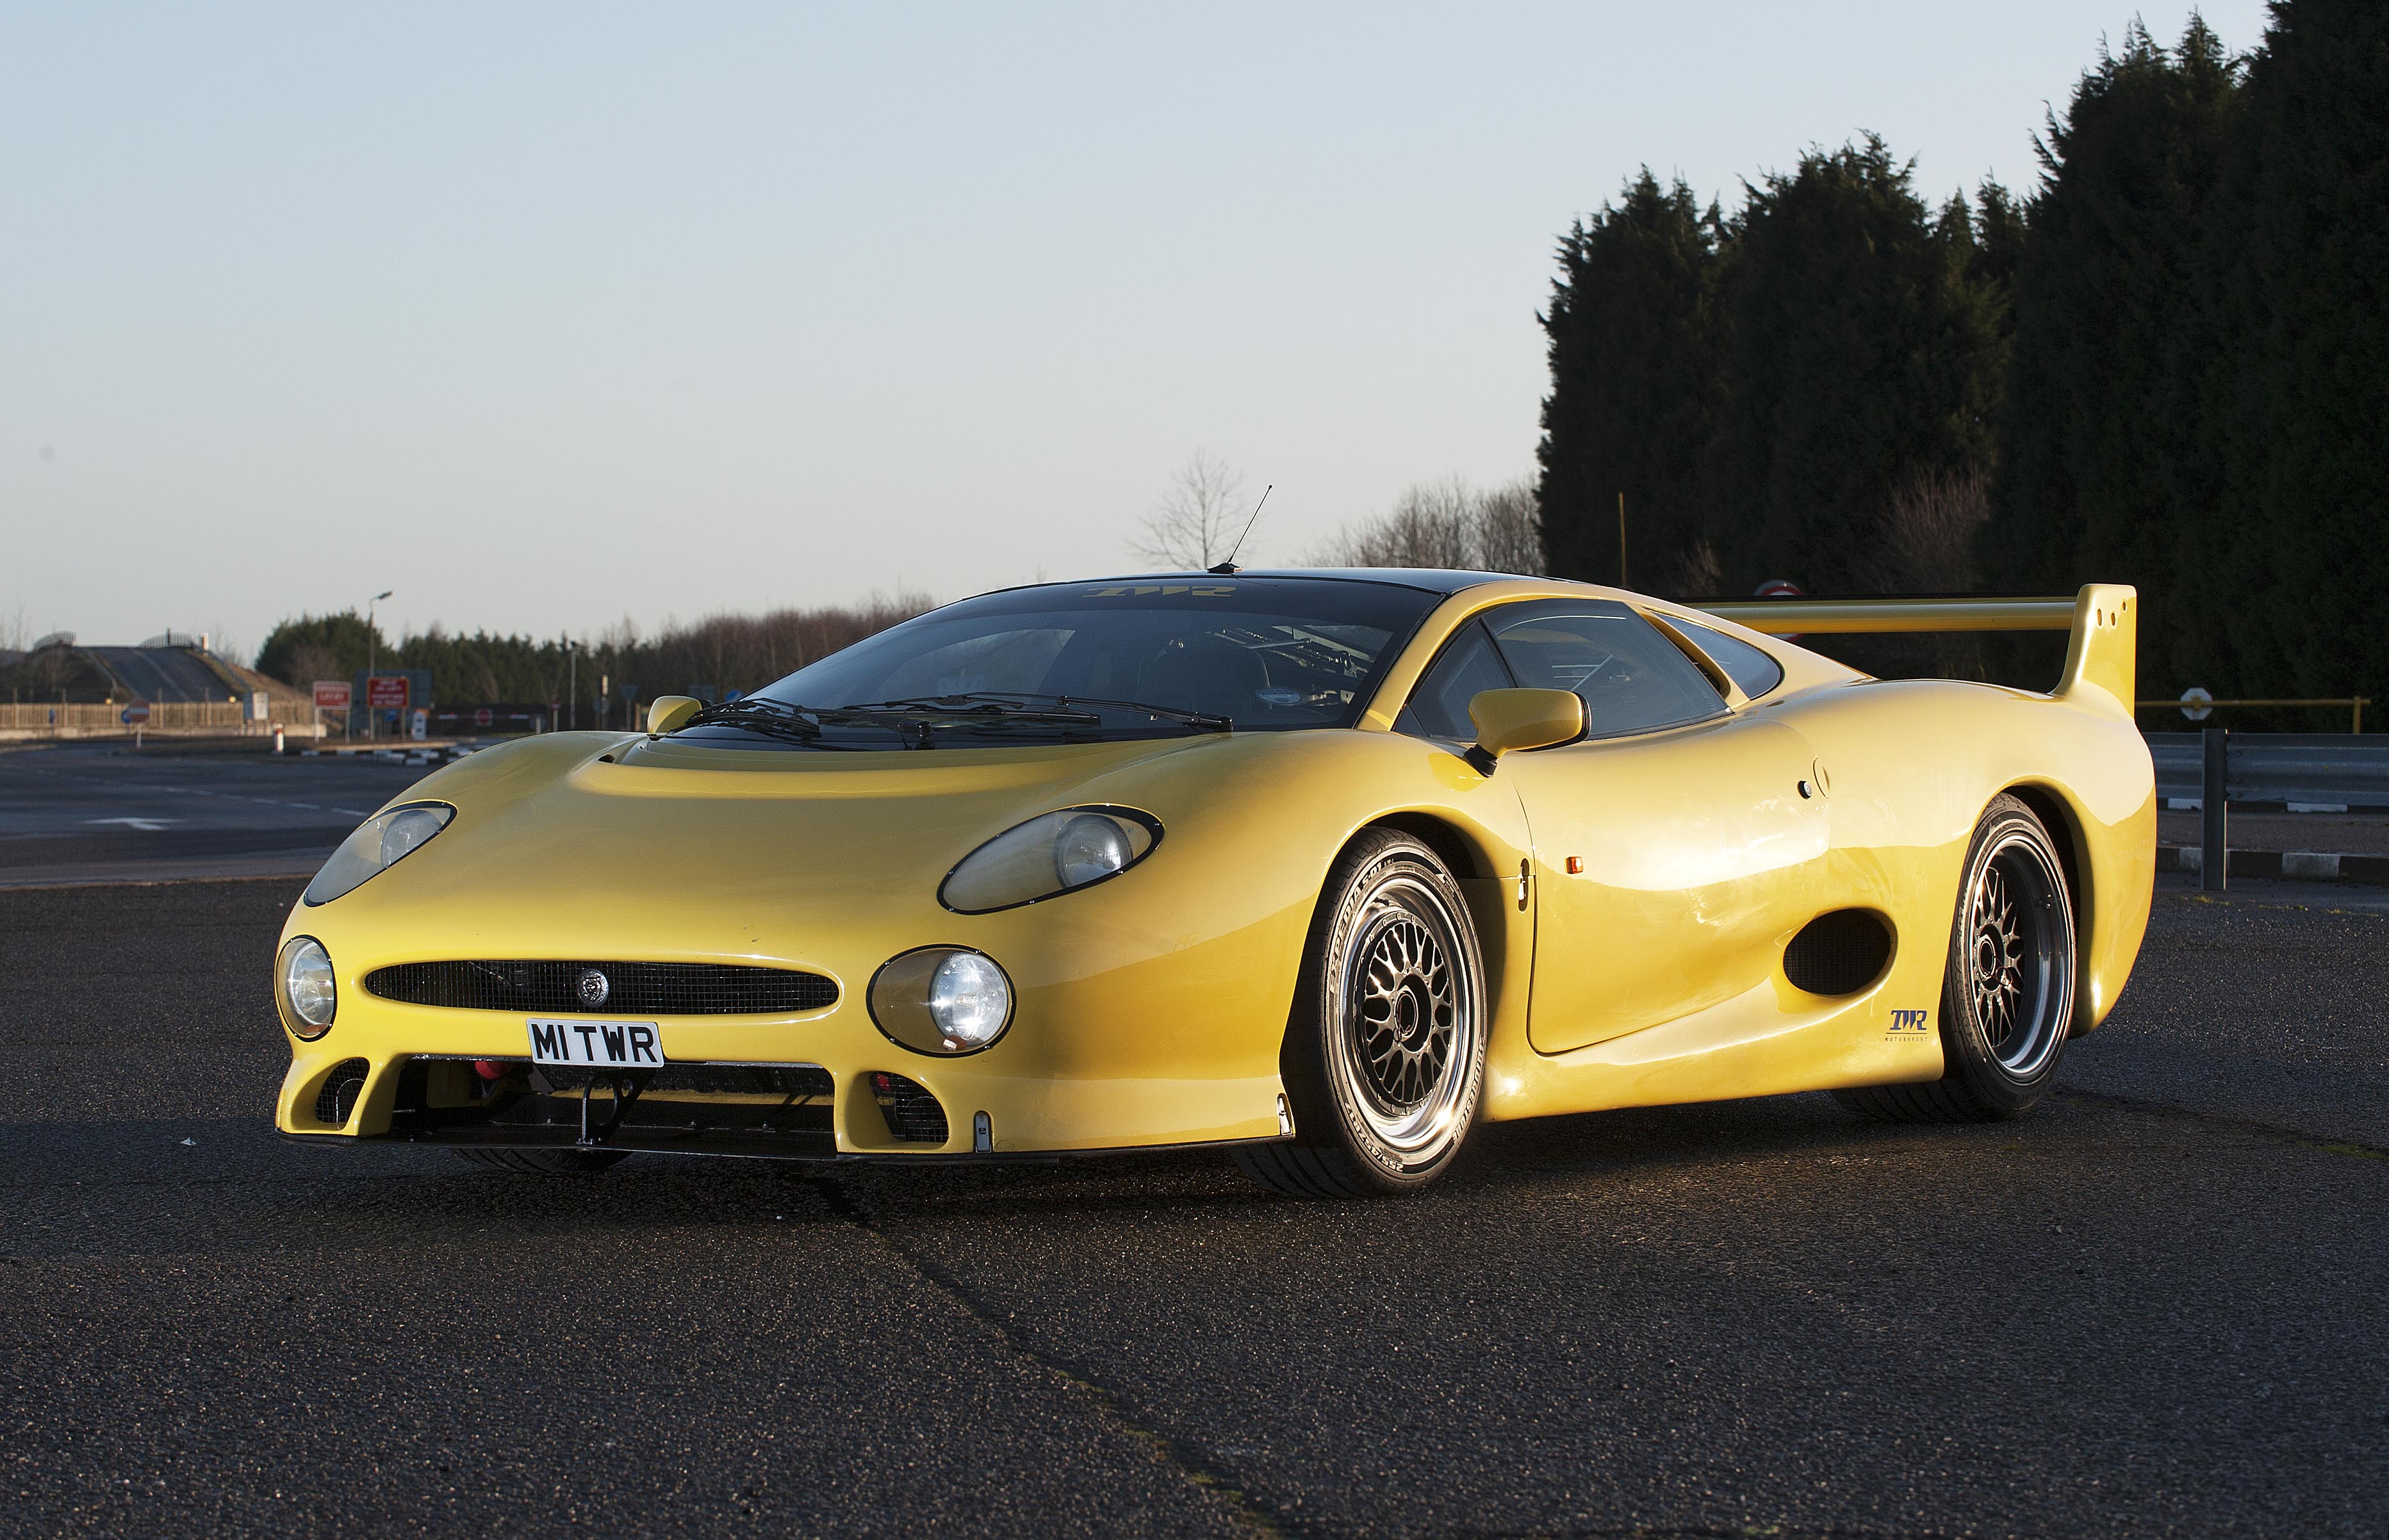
[418, 726]
[386, 693]
[332, 694]
[483, 716]
[136, 714]
[2196, 704]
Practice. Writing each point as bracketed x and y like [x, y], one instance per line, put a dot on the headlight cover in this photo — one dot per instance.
[1055, 853]
[379, 843]
[304, 987]
[947, 1000]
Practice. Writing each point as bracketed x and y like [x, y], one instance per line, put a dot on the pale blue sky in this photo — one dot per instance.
[545, 316]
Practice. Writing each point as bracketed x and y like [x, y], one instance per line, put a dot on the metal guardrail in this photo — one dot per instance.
[2217, 767]
[2309, 769]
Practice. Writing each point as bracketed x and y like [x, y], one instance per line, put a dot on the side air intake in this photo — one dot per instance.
[1838, 953]
[341, 1087]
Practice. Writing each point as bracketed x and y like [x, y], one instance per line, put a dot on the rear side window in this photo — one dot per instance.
[1746, 665]
[1438, 704]
[1631, 678]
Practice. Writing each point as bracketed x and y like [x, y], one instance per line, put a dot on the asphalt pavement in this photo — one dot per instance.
[2155, 1307]
[106, 811]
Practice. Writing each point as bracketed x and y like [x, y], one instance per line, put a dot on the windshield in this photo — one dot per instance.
[1081, 662]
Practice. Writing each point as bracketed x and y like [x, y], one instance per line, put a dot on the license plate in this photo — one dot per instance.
[606, 1045]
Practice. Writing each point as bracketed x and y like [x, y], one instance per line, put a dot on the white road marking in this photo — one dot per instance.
[147, 825]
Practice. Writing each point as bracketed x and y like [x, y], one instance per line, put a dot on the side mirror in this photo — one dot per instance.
[671, 713]
[1508, 719]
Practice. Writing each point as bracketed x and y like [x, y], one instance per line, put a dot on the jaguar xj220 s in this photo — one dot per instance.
[1316, 868]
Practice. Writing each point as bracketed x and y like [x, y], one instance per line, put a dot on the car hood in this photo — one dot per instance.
[653, 849]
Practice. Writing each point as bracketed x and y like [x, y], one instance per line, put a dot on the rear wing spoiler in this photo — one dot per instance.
[2103, 618]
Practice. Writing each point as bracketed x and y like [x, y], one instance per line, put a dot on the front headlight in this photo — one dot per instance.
[305, 988]
[941, 999]
[1049, 855]
[379, 843]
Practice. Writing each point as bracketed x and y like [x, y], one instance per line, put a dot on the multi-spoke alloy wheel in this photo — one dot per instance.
[1408, 1026]
[2007, 999]
[1384, 1055]
[2017, 922]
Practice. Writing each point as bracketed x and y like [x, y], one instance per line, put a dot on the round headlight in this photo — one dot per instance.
[1091, 846]
[970, 999]
[310, 995]
[376, 846]
[409, 827]
[941, 999]
[1051, 854]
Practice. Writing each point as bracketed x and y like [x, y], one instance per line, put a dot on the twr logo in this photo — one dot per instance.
[1908, 1021]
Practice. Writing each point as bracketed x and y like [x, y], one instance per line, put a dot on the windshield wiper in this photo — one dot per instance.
[914, 721]
[801, 724]
[989, 710]
[1021, 705]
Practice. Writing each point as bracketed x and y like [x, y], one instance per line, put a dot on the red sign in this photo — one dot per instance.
[483, 717]
[332, 694]
[385, 691]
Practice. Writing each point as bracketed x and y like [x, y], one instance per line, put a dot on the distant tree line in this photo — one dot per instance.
[2169, 366]
[716, 654]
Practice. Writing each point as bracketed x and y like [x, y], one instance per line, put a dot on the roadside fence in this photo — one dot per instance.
[83, 719]
[2296, 772]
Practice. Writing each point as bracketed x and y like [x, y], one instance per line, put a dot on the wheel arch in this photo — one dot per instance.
[1505, 950]
[2064, 821]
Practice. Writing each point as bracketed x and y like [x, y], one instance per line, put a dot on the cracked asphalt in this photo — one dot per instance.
[2156, 1307]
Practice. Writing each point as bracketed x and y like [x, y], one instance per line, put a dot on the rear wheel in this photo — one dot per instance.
[2007, 995]
[548, 1161]
[1384, 1059]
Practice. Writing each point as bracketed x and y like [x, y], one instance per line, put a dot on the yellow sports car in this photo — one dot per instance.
[1318, 868]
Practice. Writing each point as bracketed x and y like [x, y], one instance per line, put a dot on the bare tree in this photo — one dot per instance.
[1445, 524]
[1694, 573]
[1925, 544]
[1510, 530]
[1925, 539]
[1198, 519]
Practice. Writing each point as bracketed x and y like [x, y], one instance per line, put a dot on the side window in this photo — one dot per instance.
[1631, 678]
[1746, 665]
[1438, 703]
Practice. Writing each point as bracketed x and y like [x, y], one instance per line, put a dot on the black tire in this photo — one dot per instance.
[1384, 1060]
[550, 1163]
[2007, 993]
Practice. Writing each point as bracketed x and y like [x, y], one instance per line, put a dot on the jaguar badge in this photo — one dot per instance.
[593, 987]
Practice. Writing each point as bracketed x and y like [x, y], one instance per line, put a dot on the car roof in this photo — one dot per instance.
[1425, 579]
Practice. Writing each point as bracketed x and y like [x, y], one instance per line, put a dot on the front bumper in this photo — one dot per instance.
[827, 1087]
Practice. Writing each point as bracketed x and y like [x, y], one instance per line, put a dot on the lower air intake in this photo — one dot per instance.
[341, 1089]
[913, 1114]
[1839, 953]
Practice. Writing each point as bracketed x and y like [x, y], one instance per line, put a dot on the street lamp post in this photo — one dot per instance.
[373, 638]
[572, 690]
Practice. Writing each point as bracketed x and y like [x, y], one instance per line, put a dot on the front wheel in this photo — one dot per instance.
[1385, 1052]
[2007, 995]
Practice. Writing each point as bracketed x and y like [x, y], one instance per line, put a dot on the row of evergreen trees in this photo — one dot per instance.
[711, 656]
[2169, 366]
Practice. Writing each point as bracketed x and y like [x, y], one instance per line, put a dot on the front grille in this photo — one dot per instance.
[632, 989]
[788, 1081]
[780, 1111]
[913, 1114]
[341, 1089]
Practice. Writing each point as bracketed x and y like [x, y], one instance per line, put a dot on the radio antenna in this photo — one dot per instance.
[1229, 568]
